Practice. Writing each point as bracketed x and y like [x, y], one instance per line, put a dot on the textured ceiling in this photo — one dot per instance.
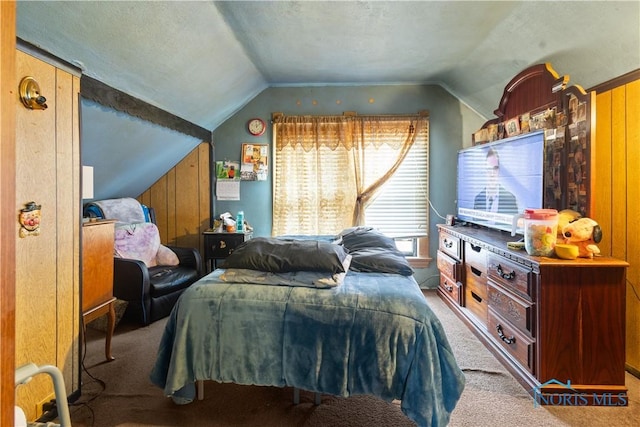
[203, 60]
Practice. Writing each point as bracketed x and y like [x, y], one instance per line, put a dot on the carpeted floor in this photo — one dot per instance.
[492, 397]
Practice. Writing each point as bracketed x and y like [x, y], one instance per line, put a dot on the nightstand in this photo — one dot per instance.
[220, 245]
[97, 275]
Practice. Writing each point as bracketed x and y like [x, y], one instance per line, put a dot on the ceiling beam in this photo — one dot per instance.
[103, 94]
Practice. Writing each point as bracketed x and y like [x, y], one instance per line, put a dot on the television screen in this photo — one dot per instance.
[499, 180]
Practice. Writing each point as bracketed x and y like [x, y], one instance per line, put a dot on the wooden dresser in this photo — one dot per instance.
[557, 325]
[97, 275]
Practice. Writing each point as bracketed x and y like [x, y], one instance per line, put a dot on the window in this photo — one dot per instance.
[334, 172]
[401, 206]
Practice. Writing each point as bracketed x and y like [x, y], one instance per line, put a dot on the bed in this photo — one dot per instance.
[341, 317]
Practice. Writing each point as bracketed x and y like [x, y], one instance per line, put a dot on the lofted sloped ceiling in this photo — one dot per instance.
[202, 61]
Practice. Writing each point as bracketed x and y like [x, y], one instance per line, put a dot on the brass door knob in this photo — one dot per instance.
[30, 94]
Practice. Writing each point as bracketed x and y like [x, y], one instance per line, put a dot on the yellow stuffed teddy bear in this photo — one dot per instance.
[583, 233]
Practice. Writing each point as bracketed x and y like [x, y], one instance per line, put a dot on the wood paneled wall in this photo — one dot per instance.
[617, 201]
[47, 312]
[7, 214]
[182, 199]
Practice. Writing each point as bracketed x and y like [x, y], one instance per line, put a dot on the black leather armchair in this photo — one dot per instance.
[152, 292]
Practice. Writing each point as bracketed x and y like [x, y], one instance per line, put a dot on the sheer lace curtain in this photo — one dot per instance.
[327, 168]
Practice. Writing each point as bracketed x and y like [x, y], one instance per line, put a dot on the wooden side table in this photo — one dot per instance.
[97, 276]
[93, 313]
[220, 245]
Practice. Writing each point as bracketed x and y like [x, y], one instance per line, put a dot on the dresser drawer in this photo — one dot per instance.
[517, 344]
[475, 256]
[448, 266]
[451, 288]
[476, 280]
[518, 311]
[476, 303]
[450, 245]
[512, 276]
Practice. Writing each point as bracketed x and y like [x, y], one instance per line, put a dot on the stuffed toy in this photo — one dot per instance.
[566, 216]
[584, 233]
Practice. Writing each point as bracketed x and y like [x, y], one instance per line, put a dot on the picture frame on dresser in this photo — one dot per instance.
[512, 127]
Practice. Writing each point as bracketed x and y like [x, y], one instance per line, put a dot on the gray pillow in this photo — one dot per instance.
[279, 255]
[380, 260]
[373, 252]
[366, 237]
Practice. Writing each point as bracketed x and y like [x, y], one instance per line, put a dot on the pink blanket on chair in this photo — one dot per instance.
[142, 241]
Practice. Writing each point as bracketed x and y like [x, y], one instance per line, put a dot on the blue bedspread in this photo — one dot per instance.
[373, 334]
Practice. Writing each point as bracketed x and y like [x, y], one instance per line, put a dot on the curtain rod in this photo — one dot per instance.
[280, 115]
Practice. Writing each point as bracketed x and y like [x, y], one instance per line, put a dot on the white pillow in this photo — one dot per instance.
[166, 256]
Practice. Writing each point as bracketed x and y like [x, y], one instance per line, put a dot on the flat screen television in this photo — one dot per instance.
[498, 180]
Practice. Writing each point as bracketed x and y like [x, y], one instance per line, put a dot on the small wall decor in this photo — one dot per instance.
[30, 220]
[227, 170]
[255, 162]
[256, 127]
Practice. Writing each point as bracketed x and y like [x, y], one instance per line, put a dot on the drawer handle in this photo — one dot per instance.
[476, 297]
[503, 337]
[448, 287]
[476, 271]
[475, 248]
[447, 244]
[504, 275]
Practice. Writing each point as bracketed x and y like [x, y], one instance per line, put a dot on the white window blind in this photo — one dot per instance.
[401, 207]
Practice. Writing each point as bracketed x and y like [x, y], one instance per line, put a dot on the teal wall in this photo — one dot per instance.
[451, 124]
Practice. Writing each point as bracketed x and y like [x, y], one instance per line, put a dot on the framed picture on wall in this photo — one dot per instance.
[255, 162]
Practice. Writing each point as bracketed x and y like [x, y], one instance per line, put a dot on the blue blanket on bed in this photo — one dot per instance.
[373, 334]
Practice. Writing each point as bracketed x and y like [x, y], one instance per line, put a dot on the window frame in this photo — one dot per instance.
[420, 257]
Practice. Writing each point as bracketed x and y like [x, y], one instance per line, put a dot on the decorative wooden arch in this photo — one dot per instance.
[569, 140]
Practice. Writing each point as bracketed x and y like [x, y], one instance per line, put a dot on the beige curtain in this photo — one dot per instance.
[327, 168]
[383, 144]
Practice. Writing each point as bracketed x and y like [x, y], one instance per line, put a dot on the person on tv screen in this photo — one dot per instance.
[494, 197]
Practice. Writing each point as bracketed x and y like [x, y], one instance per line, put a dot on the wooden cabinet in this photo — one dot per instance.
[220, 245]
[97, 275]
[550, 321]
